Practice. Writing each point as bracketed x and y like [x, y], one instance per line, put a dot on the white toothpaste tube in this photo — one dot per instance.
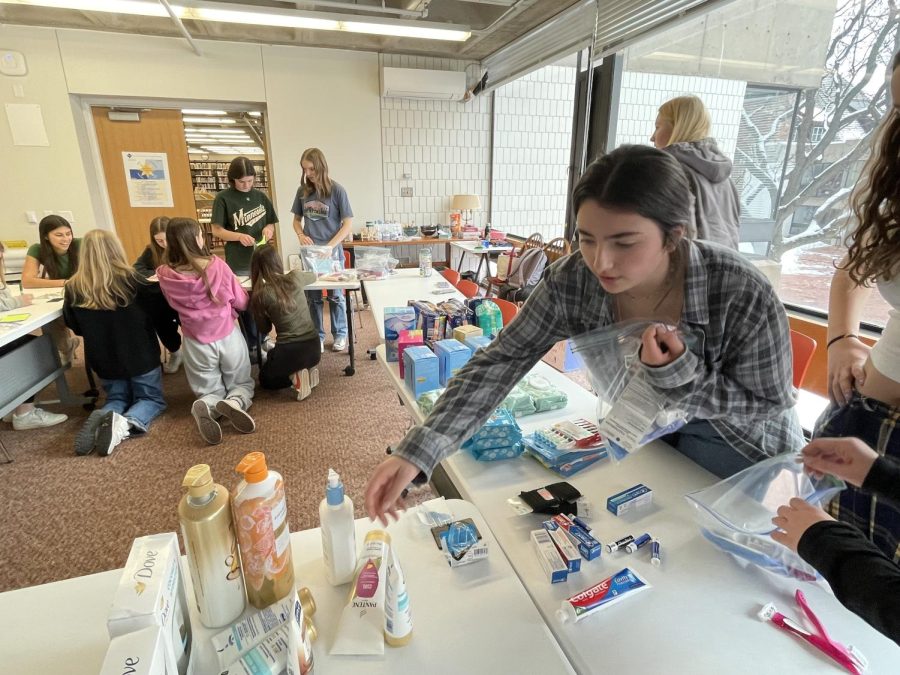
[549, 557]
[231, 644]
[270, 657]
[600, 596]
[567, 550]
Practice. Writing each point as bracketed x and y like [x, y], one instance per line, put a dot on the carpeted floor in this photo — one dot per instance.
[67, 516]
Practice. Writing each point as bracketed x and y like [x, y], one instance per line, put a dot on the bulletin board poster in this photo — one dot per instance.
[148, 180]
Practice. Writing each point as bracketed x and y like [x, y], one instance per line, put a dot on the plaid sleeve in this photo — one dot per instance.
[488, 377]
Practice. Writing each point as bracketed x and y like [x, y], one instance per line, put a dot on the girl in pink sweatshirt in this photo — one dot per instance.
[207, 296]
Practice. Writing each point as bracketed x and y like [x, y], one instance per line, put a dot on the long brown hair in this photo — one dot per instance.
[240, 167]
[48, 256]
[104, 280]
[323, 183]
[875, 243]
[266, 272]
[183, 251]
[157, 226]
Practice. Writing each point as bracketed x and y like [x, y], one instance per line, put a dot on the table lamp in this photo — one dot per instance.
[466, 204]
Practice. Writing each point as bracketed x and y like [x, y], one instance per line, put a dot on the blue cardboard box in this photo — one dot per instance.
[477, 342]
[421, 370]
[396, 319]
[452, 356]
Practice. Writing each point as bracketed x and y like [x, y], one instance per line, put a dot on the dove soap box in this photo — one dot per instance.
[137, 653]
[151, 593]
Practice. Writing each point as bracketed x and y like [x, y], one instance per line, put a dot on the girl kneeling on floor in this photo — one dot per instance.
[105, 303]
[207, 296]
[278, 299]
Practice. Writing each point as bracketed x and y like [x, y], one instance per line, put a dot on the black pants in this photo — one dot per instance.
[165, 322]
[286, 359]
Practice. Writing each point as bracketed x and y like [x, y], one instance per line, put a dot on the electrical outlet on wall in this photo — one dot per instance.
[406, 192]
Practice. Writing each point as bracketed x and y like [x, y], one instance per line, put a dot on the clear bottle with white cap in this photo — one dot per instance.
[338, 532]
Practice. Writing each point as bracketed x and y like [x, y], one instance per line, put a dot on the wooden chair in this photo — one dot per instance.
[507, 309]
[556, 249]
[468, 288]
[534, 241]
[802, 349]
[451, 275]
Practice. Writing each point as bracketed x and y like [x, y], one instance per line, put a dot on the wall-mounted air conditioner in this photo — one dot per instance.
[441, 85]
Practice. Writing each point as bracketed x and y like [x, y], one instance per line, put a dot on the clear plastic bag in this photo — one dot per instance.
[374, 262]
[320, 259]
[632, 412]
[736, 514]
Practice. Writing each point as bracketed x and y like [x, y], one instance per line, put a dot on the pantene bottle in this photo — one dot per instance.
[208, 533]
[260, 518]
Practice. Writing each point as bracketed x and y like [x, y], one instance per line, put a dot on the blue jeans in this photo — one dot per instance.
[337, 307]
[698, 441]
[139, 399]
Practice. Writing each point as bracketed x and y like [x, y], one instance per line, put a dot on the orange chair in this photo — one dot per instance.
[802, 349]
[507, 309]
[534, 241]
[467, 288]
[451, 275]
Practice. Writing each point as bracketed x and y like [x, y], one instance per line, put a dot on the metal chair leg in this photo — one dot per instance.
[6, 454]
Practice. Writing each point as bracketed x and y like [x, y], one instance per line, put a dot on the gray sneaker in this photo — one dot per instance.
[340, 344]
[238, 417]
[86, 440]
[209, 428]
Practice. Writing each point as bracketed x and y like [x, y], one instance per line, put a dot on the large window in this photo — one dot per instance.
[797, 122]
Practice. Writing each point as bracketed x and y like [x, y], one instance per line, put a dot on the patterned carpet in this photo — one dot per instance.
[67, 516]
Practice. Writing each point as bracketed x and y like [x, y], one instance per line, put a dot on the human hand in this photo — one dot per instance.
[846, 360]
[268, 232]
[849, 459]
[246, 240]
[26, 299]
[304, 240]
[385, 486]
[794, 519]
[660, 345]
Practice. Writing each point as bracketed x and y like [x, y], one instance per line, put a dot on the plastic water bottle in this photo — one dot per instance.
[425, 262]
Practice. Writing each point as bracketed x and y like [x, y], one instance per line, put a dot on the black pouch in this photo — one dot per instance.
[553, 499]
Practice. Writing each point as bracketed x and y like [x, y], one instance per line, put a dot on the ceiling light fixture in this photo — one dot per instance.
[200, 111]
[207, 120]
[198, 10]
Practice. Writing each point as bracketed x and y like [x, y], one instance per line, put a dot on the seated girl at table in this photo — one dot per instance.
[278, 299]
[105, 303]
[26, 415]
[47, 265]
[165, 319]
[207, 296]
[734, 384]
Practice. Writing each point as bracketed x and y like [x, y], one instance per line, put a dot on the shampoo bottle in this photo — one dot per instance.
[212, 554]
[338, 532]
[260, 518]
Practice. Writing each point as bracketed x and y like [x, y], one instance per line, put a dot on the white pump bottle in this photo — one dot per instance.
[338, 532]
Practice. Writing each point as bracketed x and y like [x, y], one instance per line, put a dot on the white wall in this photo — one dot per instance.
[326, 98]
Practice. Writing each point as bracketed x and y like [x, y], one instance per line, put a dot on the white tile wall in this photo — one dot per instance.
[532, 138]
[643, 93]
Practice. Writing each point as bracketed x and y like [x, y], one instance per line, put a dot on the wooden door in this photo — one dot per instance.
[158, 131]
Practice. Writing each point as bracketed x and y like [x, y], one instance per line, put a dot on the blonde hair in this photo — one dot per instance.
[688, 117]
[323, 183]
[104, 279]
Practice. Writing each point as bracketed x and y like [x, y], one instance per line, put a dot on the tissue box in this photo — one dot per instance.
[477, 342]
[396, 319]
[151, 594]
[408, 338]
[463, 333]
[139, 653]
[452, 356]
[421, 370]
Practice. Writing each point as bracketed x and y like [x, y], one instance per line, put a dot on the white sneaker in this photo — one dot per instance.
[113, 429]
[209, 428]
[174, 362]
[340, 344]
[240, 419]
[314, 377]
[37, 418]
[302, 384]
[8, 418]
[322, 345]
[268, 344]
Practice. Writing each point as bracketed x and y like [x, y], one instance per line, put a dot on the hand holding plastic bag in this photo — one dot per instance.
[319, 259]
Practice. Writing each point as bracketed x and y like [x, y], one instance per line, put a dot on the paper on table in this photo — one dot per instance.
[13, 318]
[26, 124]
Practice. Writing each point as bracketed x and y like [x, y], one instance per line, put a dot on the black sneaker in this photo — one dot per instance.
[86, 440]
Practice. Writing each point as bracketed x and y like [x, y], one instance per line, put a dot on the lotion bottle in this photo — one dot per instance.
[338, 532]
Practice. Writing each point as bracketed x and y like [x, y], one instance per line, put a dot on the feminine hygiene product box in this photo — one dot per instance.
[151, 594]
[139, 653]
[452, 356]
[477, 342]
[408, 338]
[463, 333]
[396, 319]
[421, 370]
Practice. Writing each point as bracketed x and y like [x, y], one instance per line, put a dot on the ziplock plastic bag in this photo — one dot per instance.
[736, 513]
[374, 262]
[319, 259]
[631, 411]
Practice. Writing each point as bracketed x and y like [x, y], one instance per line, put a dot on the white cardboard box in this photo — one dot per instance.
[151, 593]
[139, 653]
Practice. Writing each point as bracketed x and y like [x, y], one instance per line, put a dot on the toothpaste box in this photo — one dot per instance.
[151, 594]
[567, 550]
[588, 547]
[396, 319]
[477, 342]
[628, 500]
[138, 653]
[452, 356]
[408, 338]
[463, 333]
[549, 557]
[421, 370]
